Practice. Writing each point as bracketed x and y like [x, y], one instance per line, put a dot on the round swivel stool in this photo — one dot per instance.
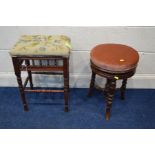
[114, 62]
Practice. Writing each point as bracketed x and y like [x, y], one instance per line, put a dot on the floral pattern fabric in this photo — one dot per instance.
[57, 45]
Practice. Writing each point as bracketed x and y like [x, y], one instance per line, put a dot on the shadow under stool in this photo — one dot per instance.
[41, 54]
[113, 62]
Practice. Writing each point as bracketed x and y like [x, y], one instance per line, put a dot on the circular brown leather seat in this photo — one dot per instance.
[113, 62]
[114, 57]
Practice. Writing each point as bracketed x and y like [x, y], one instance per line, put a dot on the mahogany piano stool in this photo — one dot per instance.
[113, 62]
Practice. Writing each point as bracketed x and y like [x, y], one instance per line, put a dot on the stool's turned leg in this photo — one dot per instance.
[29, 74]
[66, 82]
[92, 82]
[110, 89]
[123, 88]
[106, 87]
[16, 64]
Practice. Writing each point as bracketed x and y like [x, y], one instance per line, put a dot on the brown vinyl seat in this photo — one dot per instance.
[113, 62]
[114, 57]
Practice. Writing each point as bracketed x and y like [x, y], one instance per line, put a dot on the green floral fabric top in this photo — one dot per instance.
[57, 45]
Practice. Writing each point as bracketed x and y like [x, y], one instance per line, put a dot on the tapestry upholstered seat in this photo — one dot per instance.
[58, 45]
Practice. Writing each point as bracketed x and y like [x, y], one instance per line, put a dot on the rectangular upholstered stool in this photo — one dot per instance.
[30, 54]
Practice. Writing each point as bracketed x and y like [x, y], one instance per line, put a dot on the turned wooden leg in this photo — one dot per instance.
[123, 88]
[92, 82]
[16, 64]
[29, 74]
[106, 87]
[66, 82]
[110, 90]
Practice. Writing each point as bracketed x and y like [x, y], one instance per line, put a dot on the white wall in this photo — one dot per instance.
[83, 39]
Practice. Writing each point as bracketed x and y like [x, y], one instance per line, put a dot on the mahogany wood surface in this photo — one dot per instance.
[27, 63]
[110, 85]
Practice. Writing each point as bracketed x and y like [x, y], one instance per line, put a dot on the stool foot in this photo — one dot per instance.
[122, 98]
[66, 109]
[66, 101]
[26, 108]
[107, 115]
[91, 84]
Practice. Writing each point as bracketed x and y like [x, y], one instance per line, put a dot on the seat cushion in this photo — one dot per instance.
[114, 57]
[57, 45]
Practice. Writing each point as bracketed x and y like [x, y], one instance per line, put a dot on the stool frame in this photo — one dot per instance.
[110, 86]
[32, 68]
